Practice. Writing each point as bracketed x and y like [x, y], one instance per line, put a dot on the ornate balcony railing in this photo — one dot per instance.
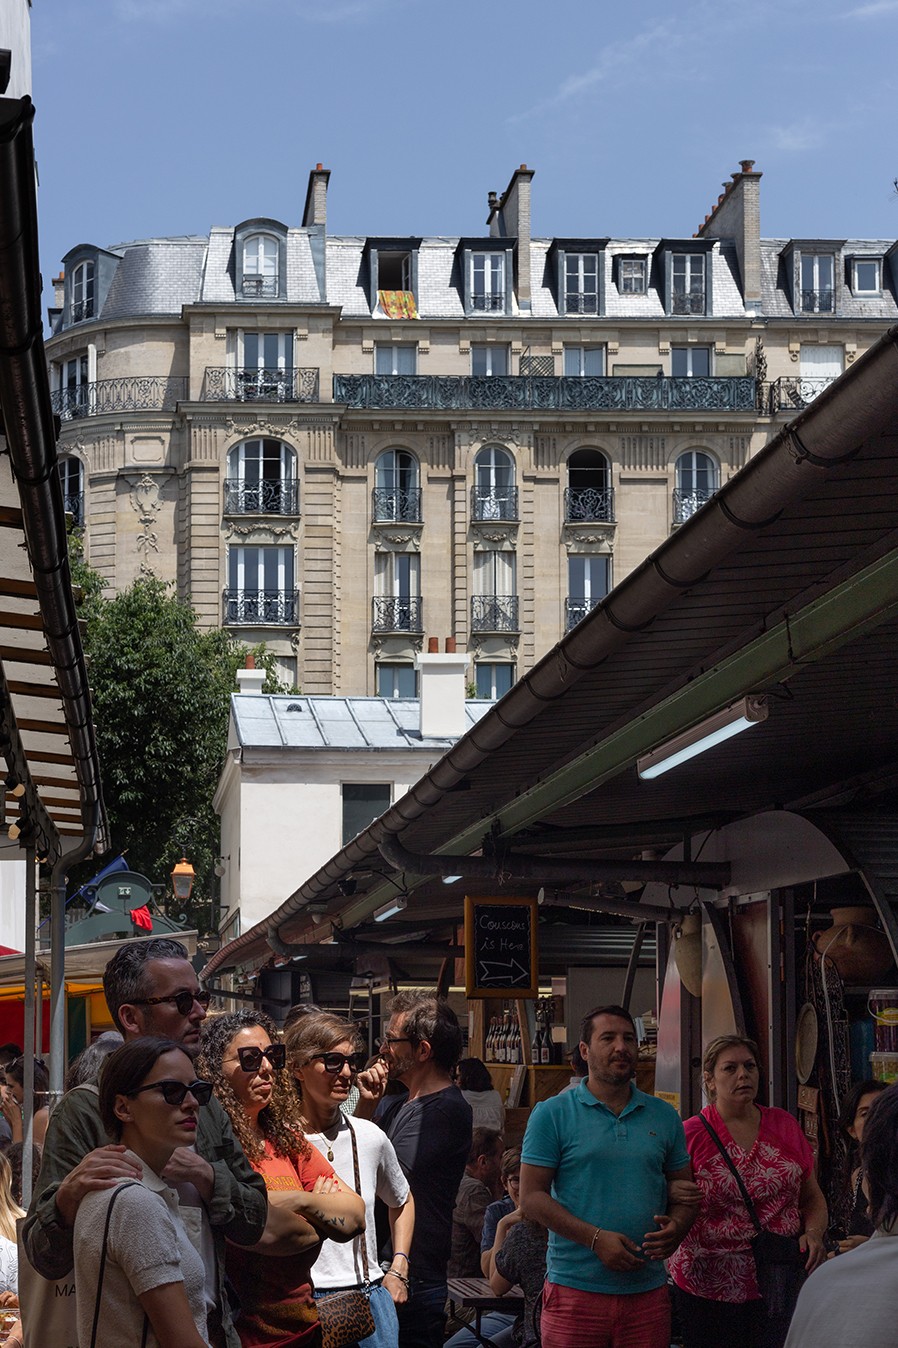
[494, 503]
[397, 615]
[686, 503]
[261, 608]
[262, 386]
[260, 287]
[489, 304]
[397, 506]
[791, 394]
[588, 504]
[581, 304]
[693, 303]
[612, 393]
[268, 497]
[82, 311]
[818, 301]
[133, 393]
[494, 613]
[73, 504]
[575, 610]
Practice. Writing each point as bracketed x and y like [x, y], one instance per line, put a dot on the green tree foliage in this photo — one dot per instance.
[161, 691]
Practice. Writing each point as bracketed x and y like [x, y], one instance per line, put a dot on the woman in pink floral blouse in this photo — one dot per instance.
[713, 1270]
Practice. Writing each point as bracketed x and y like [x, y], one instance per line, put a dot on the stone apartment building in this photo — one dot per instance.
[339, 444]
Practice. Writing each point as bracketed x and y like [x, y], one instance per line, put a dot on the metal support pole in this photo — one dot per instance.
[30, 1049]
[57, 953]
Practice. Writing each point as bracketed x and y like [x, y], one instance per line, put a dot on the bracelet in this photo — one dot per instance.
[401, 1276]
[401, 1254]
[592, 1243]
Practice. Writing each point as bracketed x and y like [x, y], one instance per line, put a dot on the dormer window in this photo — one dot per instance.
[817, 283]
[393, 273]
[260, 267]
[83, 292]
[486, 282]
[866, 275]
[687, 283]
[632, 274]
[581, 283]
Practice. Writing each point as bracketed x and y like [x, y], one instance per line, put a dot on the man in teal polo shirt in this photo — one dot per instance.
[598, 1163]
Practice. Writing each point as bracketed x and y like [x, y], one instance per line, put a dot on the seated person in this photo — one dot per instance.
[475, 1193]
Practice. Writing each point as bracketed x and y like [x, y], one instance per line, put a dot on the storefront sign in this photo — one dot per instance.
[501, 955]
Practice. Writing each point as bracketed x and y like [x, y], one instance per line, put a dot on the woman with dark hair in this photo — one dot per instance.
[715, 1287]
[13, 1100]
[853, 1302]
[855, 1108]
[242, 1055]
[476, 1085]
[138, 1279]
[326, 1056]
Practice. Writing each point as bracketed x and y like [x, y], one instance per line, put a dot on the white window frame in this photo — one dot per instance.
[382, 667]
[495, 574]
[813, 261]
[241, 573]
[856, 287]
[397, 575]
[632, 275]
[690, 352]
[493, 666]
[84, 291]
[395, 354]
[581, 283]
[489, 350]
[486, 282]
[688, 469]
[580, 356]
[690, 268]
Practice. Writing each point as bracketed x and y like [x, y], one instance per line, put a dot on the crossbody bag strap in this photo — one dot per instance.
[358, 1189]
[752, 1211]
[93, 1332]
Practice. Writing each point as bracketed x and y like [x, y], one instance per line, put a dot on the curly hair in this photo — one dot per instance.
[279, 1120]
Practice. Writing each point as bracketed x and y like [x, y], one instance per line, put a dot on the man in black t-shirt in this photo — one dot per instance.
[431, 1131]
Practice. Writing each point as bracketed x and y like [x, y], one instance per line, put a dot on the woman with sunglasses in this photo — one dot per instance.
[241, 1055]
[138, 1279]
[325, 1057]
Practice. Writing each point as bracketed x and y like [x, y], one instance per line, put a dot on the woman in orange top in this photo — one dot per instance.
[243, 1057]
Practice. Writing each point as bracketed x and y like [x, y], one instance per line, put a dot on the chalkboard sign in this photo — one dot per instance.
[501, 956]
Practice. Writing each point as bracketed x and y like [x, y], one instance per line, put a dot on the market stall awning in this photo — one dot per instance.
[785, 585]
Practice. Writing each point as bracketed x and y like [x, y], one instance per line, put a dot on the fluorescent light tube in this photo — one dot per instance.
[397, 905]
[739, 716]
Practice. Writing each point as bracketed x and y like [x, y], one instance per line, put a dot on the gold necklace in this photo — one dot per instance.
[328, 1146]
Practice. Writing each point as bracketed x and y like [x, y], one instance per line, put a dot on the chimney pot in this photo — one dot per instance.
[250, 662]
[746, 165]
[318, 168]
[433, 645]
[450, 645]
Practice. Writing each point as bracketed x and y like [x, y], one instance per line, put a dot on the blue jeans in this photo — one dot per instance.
[422, 1319]
[386, 1326]
[495, 1326]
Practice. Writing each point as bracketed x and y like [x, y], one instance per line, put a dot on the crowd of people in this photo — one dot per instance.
[216, 1182]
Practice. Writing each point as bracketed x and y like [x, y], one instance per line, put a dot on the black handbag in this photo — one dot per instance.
[779, 1260]
[346, 1317]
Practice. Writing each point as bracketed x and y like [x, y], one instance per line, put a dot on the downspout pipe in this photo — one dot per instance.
[705, 874]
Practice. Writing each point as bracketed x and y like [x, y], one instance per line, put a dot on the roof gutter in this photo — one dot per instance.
[31, 439]
[819, 440]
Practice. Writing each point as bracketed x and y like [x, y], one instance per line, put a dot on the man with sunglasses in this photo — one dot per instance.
[151, 989]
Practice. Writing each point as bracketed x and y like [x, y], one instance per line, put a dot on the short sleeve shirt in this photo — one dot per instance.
[609, 1170]
[491, 1219]
[715, 1260]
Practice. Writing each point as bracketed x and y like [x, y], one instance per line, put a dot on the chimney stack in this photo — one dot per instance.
[315, 211]
[250, 679]
[737, 216]
[509, 218]
[441, 681]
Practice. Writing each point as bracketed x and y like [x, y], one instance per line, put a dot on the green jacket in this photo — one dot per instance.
[238, 1208]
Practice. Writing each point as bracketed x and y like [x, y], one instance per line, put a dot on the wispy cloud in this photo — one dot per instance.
[794, 137]
[873, 10]
[160, 12]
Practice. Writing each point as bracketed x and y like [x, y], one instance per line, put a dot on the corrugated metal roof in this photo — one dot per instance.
[289, 722]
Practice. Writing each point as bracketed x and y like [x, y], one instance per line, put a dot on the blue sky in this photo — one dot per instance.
[168, 116]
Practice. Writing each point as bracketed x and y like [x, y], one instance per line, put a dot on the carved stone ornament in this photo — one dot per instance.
[498, 434]
[410, 542]
[590, 543]
[261, 533]
[277, 430]
[497, 649]
[492, 539]
[146, 501]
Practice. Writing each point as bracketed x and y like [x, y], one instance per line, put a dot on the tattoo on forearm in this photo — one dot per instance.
[327, 1219]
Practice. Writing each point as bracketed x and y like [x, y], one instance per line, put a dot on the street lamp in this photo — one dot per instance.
[182, 878]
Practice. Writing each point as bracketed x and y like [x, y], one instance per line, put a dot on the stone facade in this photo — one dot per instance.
[337, 445]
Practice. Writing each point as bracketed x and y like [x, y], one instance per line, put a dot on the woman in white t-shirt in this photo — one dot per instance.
[325, 1056]
[151, 1288]
[476, 1085]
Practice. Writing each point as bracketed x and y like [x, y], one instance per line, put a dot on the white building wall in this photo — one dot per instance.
[15, 36]
[12, 904]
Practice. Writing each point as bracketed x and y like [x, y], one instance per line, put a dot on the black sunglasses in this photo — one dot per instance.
[182, 1001]
[173, 1092]
[250, 1058]
[334, 1062]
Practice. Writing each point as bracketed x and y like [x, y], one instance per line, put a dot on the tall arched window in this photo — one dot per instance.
[261, 479]
[71, 476]
[260, 266]
[495, 496]
[83, 292]
[698, 478]
[397, 494]
[589, 494]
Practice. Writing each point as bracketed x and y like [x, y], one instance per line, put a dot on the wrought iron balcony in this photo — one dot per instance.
[264, 386]
[693, 303]
[73, 504]
[140, 393]
[489, 304]
[575, 610]
[494, 613]
[268, 497]
[261, 608]
[260, 287]
[585, 504]
[397, 615]
[396, 506]
[686, 503]
[580, 303]
[818, 301]
[82, 311]
[494, 503]
[592, 393]
[791, 394]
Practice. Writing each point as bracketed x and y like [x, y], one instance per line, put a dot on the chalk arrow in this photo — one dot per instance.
[491, 969]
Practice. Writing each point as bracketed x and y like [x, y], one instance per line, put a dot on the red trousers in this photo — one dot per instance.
[575, 1319]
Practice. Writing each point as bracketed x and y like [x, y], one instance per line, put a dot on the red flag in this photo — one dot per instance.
[141, 918]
